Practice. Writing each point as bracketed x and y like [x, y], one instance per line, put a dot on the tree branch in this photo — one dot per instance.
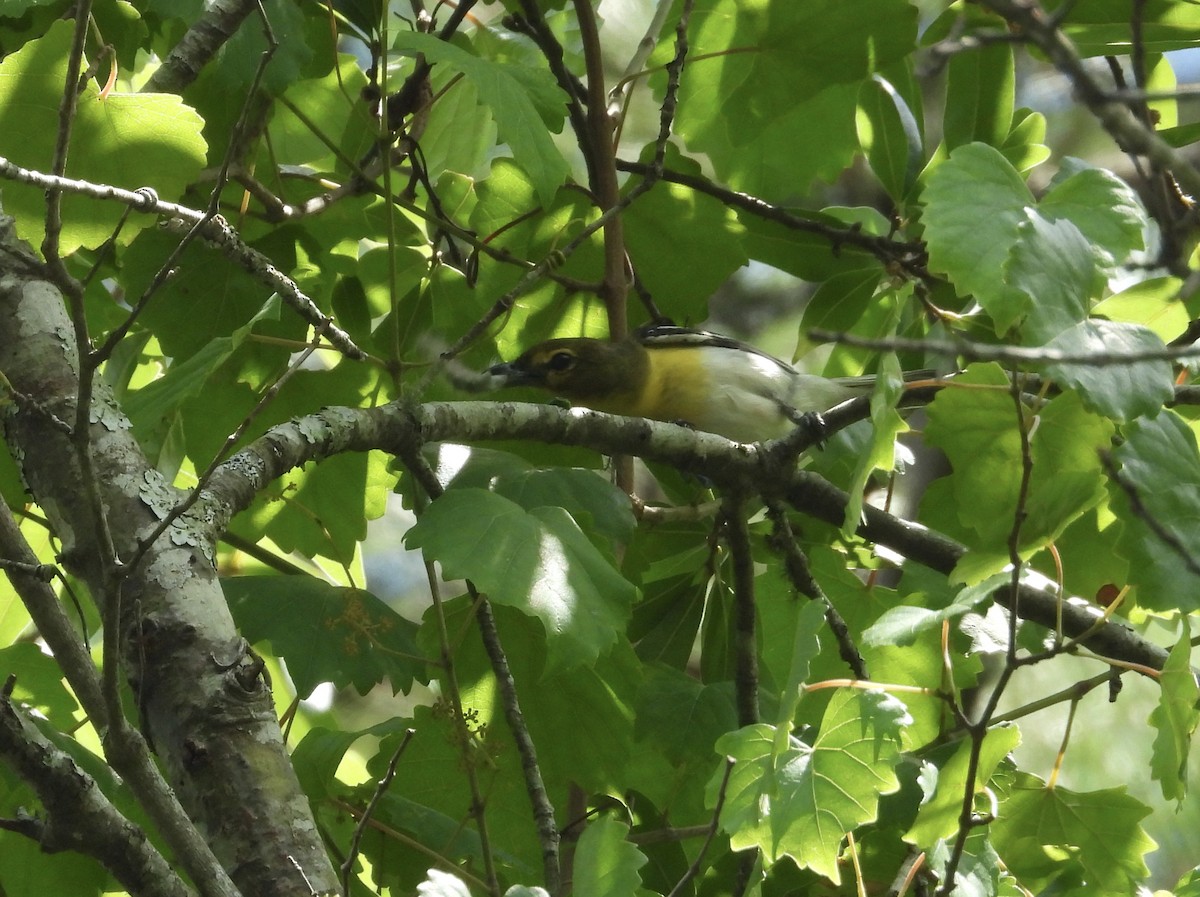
[1130, 133]
[79, 816]
[51, 621]
[396, 428]
[217, 233]
[1006, 355]
[199, 45]
[212, 721]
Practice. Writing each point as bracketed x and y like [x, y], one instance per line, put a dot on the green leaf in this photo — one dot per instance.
[296, 42]
[794, 45]
[890, 134]
[523, 101]
[461, 132]
[706, 237]
[800, 253]
[1161, 537]
[434, 831]
[939, 815]
[1101, 28]
[665, 621]
[317, 757]
[1175, 718]
[121, 140]
[1181, 135]
[538, 561]
[805, 648]
[970, 242]
[1025, 145]
[1188, 884]
[203, 300]
[321, 509]
[153, 406]
[1122, 392]
[843, 298]
[584, 494]
[792, 68]
[31, 872]
[980, 872]
[431, 780]
[901, 625]
[680, 716]
[1104, 208]
[1054, 268]
[976, 427]
[880, 451]
[1099, 829]
[327, 633]
[580, 718]
[37, 682]
[1153, 303]
[802, 800]
[606, 864]
[980, 89]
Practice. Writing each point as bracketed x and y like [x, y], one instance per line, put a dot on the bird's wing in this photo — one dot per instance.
[669, 335]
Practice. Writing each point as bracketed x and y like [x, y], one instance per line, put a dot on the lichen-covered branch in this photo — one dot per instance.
[204, 704]
[78, 815]
[396, 428]
[200, 44]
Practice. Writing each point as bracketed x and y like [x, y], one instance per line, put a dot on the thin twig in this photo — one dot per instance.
[1127, 130]
[795, 564]
[543, 808]
[1168, 538]
[737, 536]
[968, 820]
[231, 440]
[532, 23]
[62, 140]
[1007, 355]
[381, 788]
[694, 869]
[909, 257]
[216, 231]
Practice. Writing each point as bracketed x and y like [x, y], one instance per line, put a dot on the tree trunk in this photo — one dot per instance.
[203, 701]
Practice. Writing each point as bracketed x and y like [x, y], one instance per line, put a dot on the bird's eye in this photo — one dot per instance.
[561, 361]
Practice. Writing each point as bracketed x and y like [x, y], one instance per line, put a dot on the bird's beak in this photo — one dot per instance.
[508, 374]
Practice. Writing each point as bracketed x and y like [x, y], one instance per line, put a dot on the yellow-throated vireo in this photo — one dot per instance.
[710, 381]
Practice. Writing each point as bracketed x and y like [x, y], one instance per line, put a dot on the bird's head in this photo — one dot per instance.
[591, 372]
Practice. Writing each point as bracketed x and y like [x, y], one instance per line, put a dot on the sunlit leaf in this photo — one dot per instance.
[538, 561]
[801, 801]
[1175, 718]
[522, 100]
[606, 864]
[1100, 829]
[127, 140]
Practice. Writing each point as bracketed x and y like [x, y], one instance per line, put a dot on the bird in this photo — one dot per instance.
[702, 379]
